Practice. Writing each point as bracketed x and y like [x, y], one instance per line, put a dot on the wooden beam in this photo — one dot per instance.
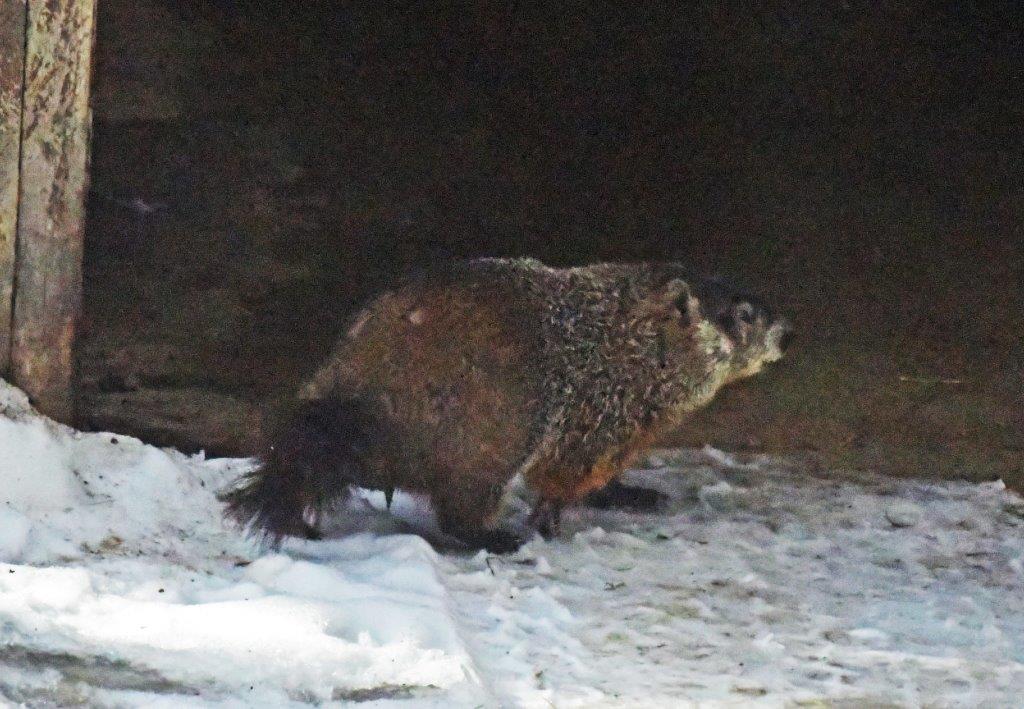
[56, 127]
[12, 73]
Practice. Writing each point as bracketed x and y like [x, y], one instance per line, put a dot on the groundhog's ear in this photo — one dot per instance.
[676, 294]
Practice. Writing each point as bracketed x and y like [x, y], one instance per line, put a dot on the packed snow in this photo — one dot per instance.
[763, 583]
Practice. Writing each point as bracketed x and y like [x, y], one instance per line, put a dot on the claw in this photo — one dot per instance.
[546, 518]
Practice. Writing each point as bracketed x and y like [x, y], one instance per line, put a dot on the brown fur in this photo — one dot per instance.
[496, 367]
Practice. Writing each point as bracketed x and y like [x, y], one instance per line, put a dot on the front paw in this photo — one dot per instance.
[618, 496]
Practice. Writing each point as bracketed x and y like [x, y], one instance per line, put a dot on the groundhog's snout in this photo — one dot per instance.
[780, 337]
[786, 339]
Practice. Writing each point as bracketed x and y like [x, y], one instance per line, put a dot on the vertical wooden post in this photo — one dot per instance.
[12, 72]
[56, 126]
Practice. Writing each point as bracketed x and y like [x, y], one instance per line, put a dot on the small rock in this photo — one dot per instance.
[903, 514]
[720, 497]
[1016, 510]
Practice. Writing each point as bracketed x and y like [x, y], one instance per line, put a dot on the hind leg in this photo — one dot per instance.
[470, 519]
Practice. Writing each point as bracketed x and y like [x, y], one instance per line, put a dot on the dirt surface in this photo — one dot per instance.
[260, 169]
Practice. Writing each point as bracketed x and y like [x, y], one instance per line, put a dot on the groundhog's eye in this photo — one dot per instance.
[683, 306]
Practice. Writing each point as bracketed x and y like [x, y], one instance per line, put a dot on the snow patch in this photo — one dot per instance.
[762, 584]
[122, 583]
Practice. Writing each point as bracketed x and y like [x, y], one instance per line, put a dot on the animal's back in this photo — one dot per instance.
[451, 361]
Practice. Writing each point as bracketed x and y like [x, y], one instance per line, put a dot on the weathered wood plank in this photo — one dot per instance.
[56, 127]
[12, 70]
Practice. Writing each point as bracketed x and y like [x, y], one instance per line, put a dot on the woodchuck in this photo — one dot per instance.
[456, 380]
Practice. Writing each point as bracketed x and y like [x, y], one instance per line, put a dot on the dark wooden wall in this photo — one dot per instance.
[45, 66]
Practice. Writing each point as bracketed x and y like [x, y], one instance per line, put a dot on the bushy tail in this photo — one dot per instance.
[312, 458]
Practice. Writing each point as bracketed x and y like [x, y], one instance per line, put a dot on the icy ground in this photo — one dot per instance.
[764, 584]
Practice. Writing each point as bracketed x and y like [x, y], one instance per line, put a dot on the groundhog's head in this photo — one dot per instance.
[690, 342]
[755, 336]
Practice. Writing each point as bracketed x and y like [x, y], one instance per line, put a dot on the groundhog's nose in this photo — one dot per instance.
[786, 338]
